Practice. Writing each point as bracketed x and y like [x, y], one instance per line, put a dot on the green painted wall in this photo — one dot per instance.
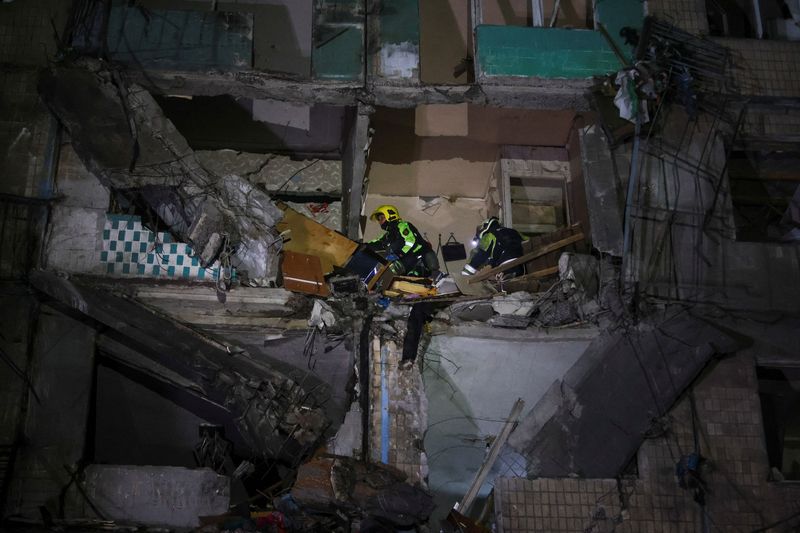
[399, 21]
[340, 57]
[338, 39]
[188, 40]
[616, 14]
[544, 52]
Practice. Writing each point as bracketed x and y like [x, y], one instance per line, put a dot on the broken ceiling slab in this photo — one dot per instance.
[609, 398]
[199, 304]
[277, 173]
[287, 114]
[122, 136]
[166, 496]
[274, 413]
[341, 484]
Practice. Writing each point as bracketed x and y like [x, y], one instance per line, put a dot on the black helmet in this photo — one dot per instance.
[485, 226]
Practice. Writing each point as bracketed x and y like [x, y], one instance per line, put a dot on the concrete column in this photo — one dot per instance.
[354, 166]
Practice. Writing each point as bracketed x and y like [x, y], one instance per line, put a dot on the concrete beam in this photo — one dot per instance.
[529, 93]
[354, 168]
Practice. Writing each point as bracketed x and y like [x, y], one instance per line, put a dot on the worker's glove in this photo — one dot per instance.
[397, 268]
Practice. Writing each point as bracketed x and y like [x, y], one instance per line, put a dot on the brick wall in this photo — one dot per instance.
[764, 67]
[689, 15]
[729, 432]
[406, 412]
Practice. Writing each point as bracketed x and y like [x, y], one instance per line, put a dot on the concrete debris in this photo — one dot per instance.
[594, 422]
[321, 316]
[156, 495]
[580, 271]
[347, 441]
[275, 413]
[510, 321]
[272, 171]
[361, 491]
[125, 140]
[479, 310]
[517, 304]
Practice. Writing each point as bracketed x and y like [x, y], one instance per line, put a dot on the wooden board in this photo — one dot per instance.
[409, 287]
[303, 273]
[488, 273]
[312, 238]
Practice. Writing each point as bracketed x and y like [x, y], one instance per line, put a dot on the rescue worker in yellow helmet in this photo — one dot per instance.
[414, 256]
[495, 245]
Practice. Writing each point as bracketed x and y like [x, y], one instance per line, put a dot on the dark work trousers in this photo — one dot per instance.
[420, 315]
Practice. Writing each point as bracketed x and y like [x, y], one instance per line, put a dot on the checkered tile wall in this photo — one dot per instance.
[129, 249]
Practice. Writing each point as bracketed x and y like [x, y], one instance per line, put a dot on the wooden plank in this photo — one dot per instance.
[409, 287]
[486, 274]
[303, 273]
[497, 445]
[312, 238]
[529, 282]
[543, 273]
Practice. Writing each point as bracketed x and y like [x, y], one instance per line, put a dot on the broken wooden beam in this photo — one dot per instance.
[546, 249]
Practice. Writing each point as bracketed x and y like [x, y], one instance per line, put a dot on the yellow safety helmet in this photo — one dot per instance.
[390, 212]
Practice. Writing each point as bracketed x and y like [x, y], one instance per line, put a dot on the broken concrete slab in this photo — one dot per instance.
[279, 413]
[609, 398]
[340, 484]
[122, 136]
[476, 310]
[164, 496]
[517, 304]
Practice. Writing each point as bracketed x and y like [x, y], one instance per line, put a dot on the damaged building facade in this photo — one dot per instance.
[194, 337]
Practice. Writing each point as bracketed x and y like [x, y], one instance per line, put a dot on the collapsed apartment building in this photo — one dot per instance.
[193, 337]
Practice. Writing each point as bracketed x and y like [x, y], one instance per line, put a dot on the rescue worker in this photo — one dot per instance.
[413, 255]
[495, 245]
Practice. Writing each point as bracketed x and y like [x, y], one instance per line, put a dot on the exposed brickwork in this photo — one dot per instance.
[689, 15]
[729, 433]
[774, 122]
[765, 67]
[407, 408]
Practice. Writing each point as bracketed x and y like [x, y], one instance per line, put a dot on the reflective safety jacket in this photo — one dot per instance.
[496, 247]
[405, 241]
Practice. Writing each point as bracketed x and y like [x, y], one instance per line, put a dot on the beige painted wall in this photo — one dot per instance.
[454, 178]
[460, 217]
[444, 39]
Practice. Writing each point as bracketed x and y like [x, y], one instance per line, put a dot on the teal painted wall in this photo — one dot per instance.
[338, 39]
[616, 14]
[544, 52]
[399, 21]
[189, 40]
[340, 57]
